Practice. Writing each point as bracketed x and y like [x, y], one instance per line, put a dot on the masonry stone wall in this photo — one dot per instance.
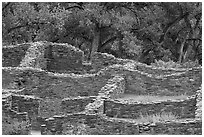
[34, 56]
[63, 58]
[180, 108]
[97, 106]
[114, 88]
[12, 55]
[198, 113]
[116, 126]
[46, 84]
[78, 104]
[141, 83]
[137, 82]
[21, 107]
[101, 60]
[177, 84]
[23, 103]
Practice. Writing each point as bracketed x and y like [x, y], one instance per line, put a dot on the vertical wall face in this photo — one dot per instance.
[182, 109]
[63, 58]
[35, 56]
[12, 56]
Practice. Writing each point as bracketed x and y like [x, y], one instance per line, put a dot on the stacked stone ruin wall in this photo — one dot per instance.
[63, 58]
[116, 126]
[78, 104]
[53, 57]
[139, 83]
[41, 83]
[101, 60]
[114, 88]
[180, 108]
[21, 107]
[34, 56]
[113, 78]
[13, 55]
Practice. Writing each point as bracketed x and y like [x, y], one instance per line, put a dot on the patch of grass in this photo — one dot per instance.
[148, 98]
[156, 118]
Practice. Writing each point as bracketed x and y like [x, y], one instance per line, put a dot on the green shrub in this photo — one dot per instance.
[163, 64]
[171, 64]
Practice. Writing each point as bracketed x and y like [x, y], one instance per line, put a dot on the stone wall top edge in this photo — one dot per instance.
[65, 45]
[16, 46]
[26, 96]
[156, 76]
[79, 97]
[147, 66]
[153, 102]
[72, 75]
[104, 70]
[133, 121]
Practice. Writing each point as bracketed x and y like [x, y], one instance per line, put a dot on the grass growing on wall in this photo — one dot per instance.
[156, 118]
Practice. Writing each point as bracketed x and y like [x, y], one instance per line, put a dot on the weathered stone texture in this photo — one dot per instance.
[47, 84]
[101, 60]
[142, 83]
[198, 113]
[12, 55]
[63, 57]
[95, 95]
[35, 56]
[180, 108]
[73, 105]
[167, 85]
[115, 126]
[114, 88]
[21, 107]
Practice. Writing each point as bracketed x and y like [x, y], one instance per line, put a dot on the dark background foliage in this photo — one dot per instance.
[143, 31]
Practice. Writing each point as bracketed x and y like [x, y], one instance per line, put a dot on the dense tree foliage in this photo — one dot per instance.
[142, 31]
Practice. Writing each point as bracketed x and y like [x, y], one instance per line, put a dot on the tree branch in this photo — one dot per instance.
[169, 25]
[106, 42]
[76, 6]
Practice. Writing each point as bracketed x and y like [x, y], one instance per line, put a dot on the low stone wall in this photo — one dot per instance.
[12, 55]
[115, 126]
[35, 56]
[198, 113]
[20, 107]
[141, 83]
[114, 88]
[178, 84]
[101, 60]
[23, 103]
[73, 105]
[137, 82]
[63, 57]
[180, 108]
[46, 84]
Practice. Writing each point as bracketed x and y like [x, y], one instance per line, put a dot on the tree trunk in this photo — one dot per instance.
[95, 42]
[120, 52]
[181, 49]
[49, 57]
[190, 35]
